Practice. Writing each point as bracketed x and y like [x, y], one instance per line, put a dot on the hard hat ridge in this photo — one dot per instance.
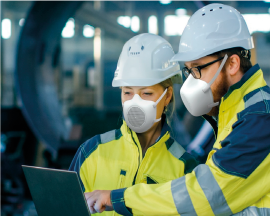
[145, 61]
[213, 28]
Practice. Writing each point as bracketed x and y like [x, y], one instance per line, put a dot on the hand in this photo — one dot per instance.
[99, 201]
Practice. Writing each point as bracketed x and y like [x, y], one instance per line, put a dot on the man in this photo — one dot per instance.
[222, 84]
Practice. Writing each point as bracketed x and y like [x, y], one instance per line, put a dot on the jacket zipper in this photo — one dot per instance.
[142, 164]
[139, 159]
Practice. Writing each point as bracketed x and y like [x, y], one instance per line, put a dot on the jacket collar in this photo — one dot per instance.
[251, 80]
[236, 92]
[165, 127]
[244, 79]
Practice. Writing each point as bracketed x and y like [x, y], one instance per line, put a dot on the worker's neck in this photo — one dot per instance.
[235, 78]
[149, 137]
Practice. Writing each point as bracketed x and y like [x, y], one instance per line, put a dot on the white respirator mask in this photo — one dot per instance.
[197, 95]
[140, 115]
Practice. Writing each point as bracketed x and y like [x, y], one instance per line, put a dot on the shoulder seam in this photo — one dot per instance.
[227, 171]
[259, 97]
[92, 144]
[83, 151]
[176, 150]
[107, 137]
[92, 147]
[110, 136]
[252, 113]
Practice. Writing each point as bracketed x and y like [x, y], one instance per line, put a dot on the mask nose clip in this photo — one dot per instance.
[136, 97]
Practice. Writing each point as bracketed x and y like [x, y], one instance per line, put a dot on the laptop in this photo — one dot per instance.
[56, 192]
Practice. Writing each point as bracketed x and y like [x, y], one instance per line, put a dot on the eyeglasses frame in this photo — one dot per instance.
[199, 68]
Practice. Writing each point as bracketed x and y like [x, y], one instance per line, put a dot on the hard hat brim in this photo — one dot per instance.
[141, 82]
[246, 43]
[184, 57]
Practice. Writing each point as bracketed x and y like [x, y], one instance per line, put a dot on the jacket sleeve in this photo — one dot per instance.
[86, 156]
[234, 177]
[76, 164]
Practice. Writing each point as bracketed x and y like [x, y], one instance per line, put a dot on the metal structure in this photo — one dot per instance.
[38, 50]
[37, 59]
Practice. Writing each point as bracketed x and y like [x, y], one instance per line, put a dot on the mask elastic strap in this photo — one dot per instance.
[157, 120]
[216, 75]
[156, 103]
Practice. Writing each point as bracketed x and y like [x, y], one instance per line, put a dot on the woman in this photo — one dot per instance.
[142, 150]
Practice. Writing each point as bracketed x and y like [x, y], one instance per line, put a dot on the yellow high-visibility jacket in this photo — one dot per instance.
[236, 176]
[114, 160]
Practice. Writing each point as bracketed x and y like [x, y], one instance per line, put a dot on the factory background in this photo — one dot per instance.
[57, 64]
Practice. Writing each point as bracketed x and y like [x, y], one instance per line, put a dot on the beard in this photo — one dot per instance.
[219, 90]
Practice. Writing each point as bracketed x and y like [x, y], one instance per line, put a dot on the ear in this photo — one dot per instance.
[233, 65]
[168, 95]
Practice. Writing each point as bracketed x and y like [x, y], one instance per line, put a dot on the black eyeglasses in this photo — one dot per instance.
[196, 71]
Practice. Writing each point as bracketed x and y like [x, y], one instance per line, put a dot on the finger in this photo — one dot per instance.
[91, 203]
[92, 210]
[99, 207]
[88, 195]
[91, 200]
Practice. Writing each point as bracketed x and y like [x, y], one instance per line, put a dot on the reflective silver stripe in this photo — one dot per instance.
[259, 96]
[176, 150]
[107, 137]
[181, 197]
[212, 190]
[254, 211]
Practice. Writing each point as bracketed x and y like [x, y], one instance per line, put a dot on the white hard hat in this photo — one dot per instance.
[145, 61]
[213, 28]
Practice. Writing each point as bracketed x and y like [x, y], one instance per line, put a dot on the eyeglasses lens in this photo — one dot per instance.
[196, 73]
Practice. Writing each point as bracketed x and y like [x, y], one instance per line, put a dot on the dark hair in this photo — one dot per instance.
[244, 55]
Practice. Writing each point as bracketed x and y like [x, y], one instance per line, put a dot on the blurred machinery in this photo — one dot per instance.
[60, 120]
[38, 71]
[63, 84]
[18, 146]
